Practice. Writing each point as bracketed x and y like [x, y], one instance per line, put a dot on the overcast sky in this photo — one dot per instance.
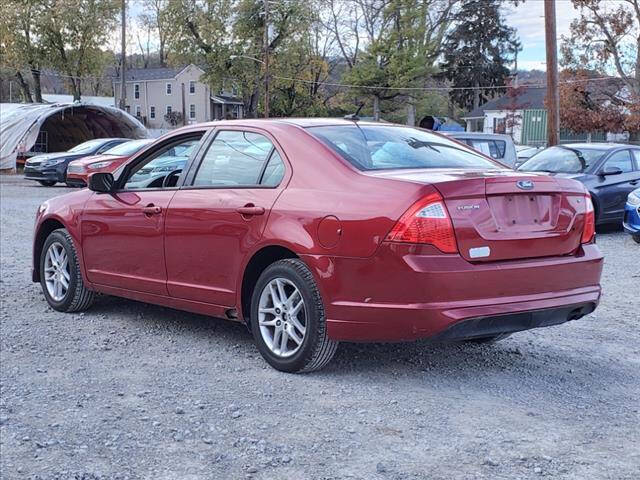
[528, 19]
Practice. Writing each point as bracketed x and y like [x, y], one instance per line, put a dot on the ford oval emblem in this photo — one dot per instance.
[524, 184]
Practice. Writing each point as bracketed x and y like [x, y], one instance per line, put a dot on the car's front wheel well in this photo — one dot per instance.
[43, 232]
[258, 263]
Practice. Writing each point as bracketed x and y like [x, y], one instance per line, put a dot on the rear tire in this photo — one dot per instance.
[286, 304]
[46, 183]
[60, 274]
[636, 238]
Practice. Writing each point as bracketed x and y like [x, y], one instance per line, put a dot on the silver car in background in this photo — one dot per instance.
[497, 146]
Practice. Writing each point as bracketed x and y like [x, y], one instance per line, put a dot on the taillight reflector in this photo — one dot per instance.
[589, 229]
[426, 221]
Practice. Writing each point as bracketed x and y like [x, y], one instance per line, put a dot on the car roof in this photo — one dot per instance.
[301, 122]
[595, 146]
[500, 136]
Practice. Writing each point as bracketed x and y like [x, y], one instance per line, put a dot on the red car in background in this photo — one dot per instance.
[78, 170]
[315, 231]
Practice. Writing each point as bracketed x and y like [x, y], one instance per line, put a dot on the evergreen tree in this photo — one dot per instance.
[476, 53]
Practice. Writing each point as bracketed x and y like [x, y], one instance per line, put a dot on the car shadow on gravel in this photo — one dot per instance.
[516, 359]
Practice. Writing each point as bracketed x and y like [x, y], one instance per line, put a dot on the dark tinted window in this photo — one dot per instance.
[564, 159]
[234, 158]
[621, 160]
[374, 147]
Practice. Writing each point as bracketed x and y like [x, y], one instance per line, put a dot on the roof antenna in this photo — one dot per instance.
[354, 116]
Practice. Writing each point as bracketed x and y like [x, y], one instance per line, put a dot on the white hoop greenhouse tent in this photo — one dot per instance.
[30, 128]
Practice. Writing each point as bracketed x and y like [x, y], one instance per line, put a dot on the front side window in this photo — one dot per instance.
[562, 159]
[636, 153]
[621, 160]
[377, 147]
[234, 158]
[168, 161]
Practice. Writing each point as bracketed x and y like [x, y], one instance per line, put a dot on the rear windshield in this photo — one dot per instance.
[128, 148]
[378, 147]
[562, 159]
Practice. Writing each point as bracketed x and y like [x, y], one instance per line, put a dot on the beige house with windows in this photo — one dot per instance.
[152, 93]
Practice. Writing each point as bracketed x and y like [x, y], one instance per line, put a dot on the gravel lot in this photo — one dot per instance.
[129, 390]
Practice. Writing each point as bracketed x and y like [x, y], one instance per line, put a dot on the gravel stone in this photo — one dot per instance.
[569, 391]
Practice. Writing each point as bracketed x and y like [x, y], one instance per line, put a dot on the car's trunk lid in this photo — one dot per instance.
[501, 215]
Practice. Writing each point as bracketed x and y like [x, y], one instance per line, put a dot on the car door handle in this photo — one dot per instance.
[249, 210]
[152, 210]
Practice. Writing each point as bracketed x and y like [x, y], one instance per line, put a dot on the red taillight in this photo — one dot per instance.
[426, 221]
[589, 229]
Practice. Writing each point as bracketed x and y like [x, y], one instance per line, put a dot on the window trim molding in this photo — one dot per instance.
[192, 82]
[168, 88]
[152, 112]
[136, 91]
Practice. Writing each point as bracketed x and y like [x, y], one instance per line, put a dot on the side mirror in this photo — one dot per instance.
[611, 171]
[101, 182]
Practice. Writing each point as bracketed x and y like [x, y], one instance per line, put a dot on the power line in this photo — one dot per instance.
[369, 87]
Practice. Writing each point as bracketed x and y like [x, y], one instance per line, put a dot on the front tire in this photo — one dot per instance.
[46, 183]
[288, 320]
[60, 274]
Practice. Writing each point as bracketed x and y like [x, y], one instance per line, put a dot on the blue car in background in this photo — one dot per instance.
[631, 222]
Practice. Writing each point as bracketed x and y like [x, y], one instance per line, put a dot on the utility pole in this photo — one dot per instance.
[553, 98]
[266, 58]
[123, 88]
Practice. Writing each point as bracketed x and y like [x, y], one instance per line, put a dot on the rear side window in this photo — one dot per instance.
[621, 160]
[234, 158]
[273, 172]
[377, 147]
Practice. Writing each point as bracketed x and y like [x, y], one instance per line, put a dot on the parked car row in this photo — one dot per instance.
[73, 166]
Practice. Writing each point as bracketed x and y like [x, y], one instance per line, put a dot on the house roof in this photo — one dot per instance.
[530, 97]
[160, 73]
[226, 99]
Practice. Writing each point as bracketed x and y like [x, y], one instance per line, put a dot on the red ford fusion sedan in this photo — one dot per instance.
[316, 231]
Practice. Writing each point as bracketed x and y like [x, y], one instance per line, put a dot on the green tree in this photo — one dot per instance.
[73, 32]
[476, 53]
[404, 40]
[21, 44]
[227, 38]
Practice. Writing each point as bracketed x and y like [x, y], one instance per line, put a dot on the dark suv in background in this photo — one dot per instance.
[51, 168]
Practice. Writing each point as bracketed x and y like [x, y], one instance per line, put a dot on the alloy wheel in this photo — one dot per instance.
[282, 317]
[56, 271]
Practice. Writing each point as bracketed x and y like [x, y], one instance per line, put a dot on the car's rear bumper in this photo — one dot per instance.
[631, 222]
[409, 292]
